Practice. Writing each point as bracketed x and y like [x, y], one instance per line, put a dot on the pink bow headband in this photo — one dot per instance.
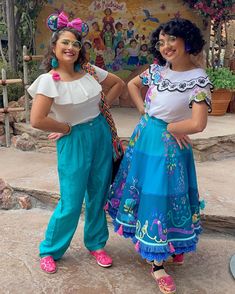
[56, 22]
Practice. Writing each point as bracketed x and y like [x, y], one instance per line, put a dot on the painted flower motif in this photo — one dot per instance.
[145, 80]
[55, 76]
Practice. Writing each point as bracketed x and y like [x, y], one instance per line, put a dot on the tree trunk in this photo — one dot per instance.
[2, 53]
[11, 35]
[230, 45]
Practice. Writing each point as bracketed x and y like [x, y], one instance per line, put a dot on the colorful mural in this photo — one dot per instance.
[119, 31]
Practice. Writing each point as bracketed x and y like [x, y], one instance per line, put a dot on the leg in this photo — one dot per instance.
[165, 282]
[176, 259]
[95, 230]
[73, 178]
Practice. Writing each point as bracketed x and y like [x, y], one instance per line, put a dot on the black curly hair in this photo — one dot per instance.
[54, 38]
[182, 28]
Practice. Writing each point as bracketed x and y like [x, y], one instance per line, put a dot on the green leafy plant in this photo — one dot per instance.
[221, 78]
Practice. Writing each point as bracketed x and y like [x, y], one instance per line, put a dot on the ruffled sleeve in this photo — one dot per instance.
[44, 85]
[101, 73]
[201, 95]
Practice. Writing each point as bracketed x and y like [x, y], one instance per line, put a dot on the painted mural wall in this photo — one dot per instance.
[119, 31]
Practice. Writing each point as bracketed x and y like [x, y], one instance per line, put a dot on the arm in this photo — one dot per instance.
[39, 116]
[134, 88]
[114, 85]
[195, 124]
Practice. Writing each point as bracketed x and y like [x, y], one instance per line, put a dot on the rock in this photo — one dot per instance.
[3, 140]
[25, 202]
[2, 129]
[20, 116]
[3, 185]
[2, 117]
[13, 104]
[21, 102]
[42, 143]
[7, 199]
[24, 142]
[11, 118]
[215, 148]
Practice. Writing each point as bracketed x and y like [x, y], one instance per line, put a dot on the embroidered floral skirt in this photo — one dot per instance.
[154, 198]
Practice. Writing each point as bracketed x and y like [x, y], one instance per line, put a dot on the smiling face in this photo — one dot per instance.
[67, 48]
[171, 48]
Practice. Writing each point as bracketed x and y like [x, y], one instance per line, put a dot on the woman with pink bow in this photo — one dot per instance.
[83, 137]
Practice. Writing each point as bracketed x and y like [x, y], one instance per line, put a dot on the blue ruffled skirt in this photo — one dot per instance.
[154, 198]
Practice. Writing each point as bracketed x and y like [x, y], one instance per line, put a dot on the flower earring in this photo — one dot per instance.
[77, 67]
[54, 62]
[187, 48]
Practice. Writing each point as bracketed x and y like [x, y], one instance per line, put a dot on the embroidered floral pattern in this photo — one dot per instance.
[170, 151]
[166, 84]
[200, 95]
[149, 78]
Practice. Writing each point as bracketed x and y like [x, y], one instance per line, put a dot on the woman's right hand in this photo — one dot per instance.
[182, 140]
[55, 136]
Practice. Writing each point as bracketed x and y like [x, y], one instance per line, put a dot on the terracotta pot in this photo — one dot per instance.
[220, 101]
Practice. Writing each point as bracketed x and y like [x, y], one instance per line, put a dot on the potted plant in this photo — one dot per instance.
[223, 81]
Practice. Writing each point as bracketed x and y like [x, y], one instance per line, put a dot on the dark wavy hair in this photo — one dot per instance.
[182, 28]
[54, 38]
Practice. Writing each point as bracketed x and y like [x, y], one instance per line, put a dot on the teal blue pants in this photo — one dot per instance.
[84, 167]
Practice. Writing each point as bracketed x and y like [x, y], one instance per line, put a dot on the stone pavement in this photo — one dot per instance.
[204, 272]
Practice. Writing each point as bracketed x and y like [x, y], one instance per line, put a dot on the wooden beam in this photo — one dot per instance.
[10, 81]
[11, 109]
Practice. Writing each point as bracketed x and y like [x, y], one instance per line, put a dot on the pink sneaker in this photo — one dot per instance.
[165, 283]
[102, 258]
[48, 265]
[178, 259]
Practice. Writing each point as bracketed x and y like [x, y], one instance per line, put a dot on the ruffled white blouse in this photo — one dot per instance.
[75, 101]
[171, 94]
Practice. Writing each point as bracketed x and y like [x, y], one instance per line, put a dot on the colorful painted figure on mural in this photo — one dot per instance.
[119, 56]
[154, 198]
[131, 31]
[108, 19]
[143, 54]
[107, 36]
[96, 37]
[119, 34]
[133, 51]
[72, 92]
[88, 48]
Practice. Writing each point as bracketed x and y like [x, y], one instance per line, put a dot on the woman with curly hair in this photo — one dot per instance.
[154, 198]
[84, 164]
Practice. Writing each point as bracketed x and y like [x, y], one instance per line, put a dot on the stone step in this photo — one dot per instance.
[205, 149]
[48, 200]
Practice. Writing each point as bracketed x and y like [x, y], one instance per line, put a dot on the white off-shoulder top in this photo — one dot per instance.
[75, 101]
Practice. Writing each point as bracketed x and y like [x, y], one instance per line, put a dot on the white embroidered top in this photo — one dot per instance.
[171, 93]
[75, 101]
